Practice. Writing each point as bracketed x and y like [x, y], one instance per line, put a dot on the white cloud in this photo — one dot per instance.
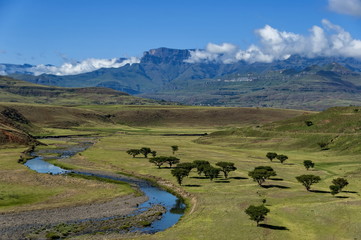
[348, 7]
[84, 66]
[327, 40]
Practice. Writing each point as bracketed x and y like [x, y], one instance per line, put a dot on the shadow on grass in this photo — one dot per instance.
[199, 177]
[319, 191]
[341, 197]
[239, 178]
[222, 181]
[276, 179]
[275, 186]
[349, 191]
[273, 227]
[192, 185]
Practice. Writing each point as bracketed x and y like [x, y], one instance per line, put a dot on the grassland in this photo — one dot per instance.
[219, 211]
[23, 189]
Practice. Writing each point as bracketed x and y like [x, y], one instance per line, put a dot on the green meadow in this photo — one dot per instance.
[218, 212]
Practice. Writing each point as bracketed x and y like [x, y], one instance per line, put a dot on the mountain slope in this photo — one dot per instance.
[12, 90]
[164, 73]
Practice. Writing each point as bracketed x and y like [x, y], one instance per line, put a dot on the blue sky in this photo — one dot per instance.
[58, 31]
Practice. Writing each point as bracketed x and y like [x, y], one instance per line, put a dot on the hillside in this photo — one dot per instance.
[337, 130]
[298, 82]
[12, 90]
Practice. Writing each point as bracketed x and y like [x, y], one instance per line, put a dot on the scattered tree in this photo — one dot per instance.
[308, 164]
[323, 145]
[282, 158]
[261, 173]
[226, 167]
[201, 165]
[186, 165]
[172, 160]
[158, 161]
[335, 189]
[340, 182]
[308, 180]
[145, 151]
[257, 213]
[180, 173]
[308, 123]
[211, 172]
[174, 148]
[154, 153]
[133, 152]
[271, 155]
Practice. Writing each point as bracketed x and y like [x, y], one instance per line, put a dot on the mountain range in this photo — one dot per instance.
[163, 73]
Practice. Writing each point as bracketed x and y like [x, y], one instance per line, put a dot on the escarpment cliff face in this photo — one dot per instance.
[14, 128]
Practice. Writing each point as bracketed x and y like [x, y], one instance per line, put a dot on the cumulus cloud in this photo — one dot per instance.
[348, 7]
[84, 66]
[327, 40]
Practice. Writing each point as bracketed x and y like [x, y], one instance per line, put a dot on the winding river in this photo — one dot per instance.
[156, 196]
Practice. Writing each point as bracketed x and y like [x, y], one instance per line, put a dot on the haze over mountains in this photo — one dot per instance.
[163, 73]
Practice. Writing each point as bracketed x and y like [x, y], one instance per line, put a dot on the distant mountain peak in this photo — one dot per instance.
[165, 55]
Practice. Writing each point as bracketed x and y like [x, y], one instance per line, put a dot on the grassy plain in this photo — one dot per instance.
[219, 211]
[23, 189]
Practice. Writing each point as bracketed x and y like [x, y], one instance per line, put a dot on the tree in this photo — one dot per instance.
[282, 158]
[174, 148]
[257, 213]
[226, 167]
[341, 182]
[308, 180]
[261, 173]
[133, 152]
[158, 161]
[154, 153]
[211, 172]
[271, 155]
[335, 189]
[180, 173]
[201, 165]
[172, 160]
[186, 165]
[145, 151]
[308, 164]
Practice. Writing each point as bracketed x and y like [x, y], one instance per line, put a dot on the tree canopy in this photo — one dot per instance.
[308, 180]
[180, 173]
[257, 213]
[174, 148]
[261, 173]
[271, 155]
[211, 172]
[308, 164]
[282, 158]
[133, 152]
[201, 165]
[145, 151]
[226, 167]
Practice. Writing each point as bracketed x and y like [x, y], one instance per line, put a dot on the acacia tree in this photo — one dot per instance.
[174, 148]
[172, 160]
[340, 182]
[154, 153]
[257, 213]
[186, 165]
[335, 189]
[261, 173]
[180, 173]
[226, 167]
[158, 161]
[282, 158]
[133, 152]
[145, 151]
[271, 155]
[308, 164]
[200, 165]
[211, 172]
[308, 180]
